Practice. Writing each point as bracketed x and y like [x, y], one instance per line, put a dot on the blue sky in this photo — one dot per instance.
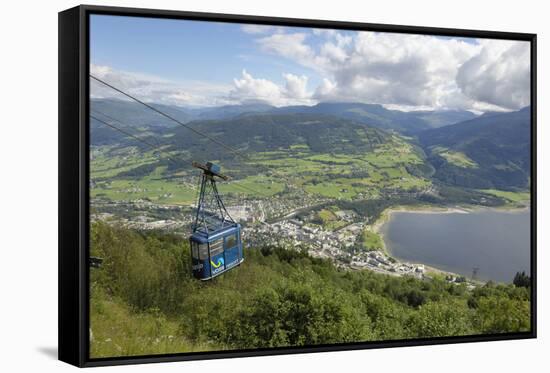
[184, 50]
[194, 63]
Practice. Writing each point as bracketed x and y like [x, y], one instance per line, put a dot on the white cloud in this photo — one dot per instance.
[409, 71]
[335, 35]
[400, 71]
[499, 75]
[151, 88]
[195, 93]
[296, 86]
[333, 52]
[248, 87]
[293, 92]
[326, 89]
[291, 46]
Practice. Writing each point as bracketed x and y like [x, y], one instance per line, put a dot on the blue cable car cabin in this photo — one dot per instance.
[215, 253]
[216, 245]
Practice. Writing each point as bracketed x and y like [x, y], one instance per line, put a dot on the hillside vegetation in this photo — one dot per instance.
[488, 152]
[335, 151]
[317, 155]
[144, 301]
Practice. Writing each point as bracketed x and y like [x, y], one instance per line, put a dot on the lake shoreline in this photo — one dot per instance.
[387, 214]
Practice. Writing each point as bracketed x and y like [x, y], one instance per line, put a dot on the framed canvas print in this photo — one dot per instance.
[239, 186]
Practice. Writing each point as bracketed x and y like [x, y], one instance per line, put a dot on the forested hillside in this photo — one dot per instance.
[491, 151]
[144, 301]
[407, 122]
[372, 114]
[488, 152]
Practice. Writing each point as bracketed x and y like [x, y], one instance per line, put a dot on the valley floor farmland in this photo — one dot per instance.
[323, 200]
[123, 176]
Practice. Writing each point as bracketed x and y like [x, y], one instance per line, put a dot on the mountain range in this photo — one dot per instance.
[481, 152]
[374, 115]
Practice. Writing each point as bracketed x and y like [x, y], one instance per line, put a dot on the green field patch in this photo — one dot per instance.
[458, 159]
[410, 183]
[156, 190]
[510, 196]
[157, 172]
[270, 154]
[375, 176]
[293, 165]
[395, 172]
[391, 158]
[108, 164]
[328, 219]
[326, 216]
[330, 158]
[303, 147]
[339, 176]
[331, 190]
[256, 186]
[371, 240]
[112, 172]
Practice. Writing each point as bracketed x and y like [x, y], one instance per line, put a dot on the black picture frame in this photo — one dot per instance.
[74, 180]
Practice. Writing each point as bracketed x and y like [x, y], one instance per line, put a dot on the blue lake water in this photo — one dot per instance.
[497, 242]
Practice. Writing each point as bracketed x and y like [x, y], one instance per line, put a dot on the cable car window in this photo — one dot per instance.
[230, 241]
[203, 251]
[216, 247]
[195, 250]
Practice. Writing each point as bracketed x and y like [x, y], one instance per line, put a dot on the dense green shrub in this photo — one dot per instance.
[277, 297]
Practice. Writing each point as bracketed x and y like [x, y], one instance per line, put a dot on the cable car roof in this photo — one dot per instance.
[204, 237]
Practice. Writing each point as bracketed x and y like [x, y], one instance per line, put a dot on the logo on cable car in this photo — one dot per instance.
[218, 266]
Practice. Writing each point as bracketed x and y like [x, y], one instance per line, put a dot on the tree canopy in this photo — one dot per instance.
[145, 301]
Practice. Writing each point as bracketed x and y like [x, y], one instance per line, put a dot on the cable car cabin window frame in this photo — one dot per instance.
[204, 252]
[214, 249]
[195, 250]
[227, 238]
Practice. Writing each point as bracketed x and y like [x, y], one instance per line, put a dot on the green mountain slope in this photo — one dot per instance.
[249, 134]
[322, 133]
[135, 115]
[492, 151]
[230, 111]
[318, 154]
[255, 133]
[378, 116]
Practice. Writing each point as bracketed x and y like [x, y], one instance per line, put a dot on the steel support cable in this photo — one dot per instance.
[214, 140]
[242, 187]
[154, 147]
[227, 147]
[123, 124]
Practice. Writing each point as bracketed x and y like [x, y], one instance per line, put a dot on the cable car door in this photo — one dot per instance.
[217, 257]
